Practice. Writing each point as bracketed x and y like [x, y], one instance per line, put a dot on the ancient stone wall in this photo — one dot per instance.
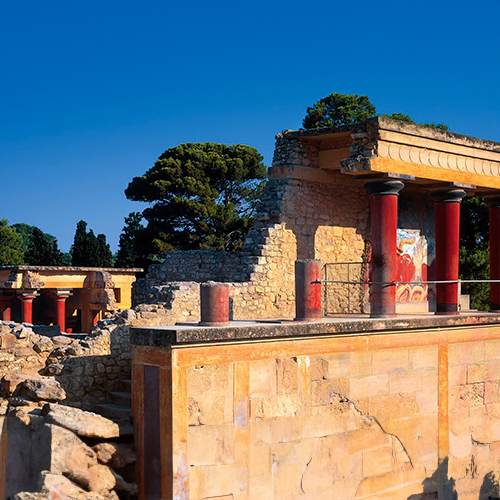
[394, 416]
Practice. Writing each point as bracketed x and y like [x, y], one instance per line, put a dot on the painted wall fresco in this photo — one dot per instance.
[415, 246]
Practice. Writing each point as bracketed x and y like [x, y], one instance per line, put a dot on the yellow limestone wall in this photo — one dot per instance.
[391, 415]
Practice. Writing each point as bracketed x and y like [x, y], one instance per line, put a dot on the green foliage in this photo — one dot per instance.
[88, 250]
[10, 245]
[440, 126]
[133, 245]
[202, 196]
[474, 250]
[43, 250]
[338, 109]
[399, 116]
[26, 232]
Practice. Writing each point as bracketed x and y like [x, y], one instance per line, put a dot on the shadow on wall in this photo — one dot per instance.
[440, 486]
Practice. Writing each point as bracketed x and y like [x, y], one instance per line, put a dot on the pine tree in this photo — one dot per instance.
[43, 250]
[88, 250]
[10, 245]
[132, 247]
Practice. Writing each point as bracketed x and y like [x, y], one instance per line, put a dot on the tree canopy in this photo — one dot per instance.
[89, 250]
[132, 247]
[202, 196]
[43, 250]
[10, 245]
[338, 109]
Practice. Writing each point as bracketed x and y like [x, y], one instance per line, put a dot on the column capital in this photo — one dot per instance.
[384, 187]
[448, 195]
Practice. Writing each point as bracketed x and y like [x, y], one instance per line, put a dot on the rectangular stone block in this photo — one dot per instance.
[393, 406]
[466, 352]
[210, 409]
[214, 481]
[423, 357]
[338, 364]
[457, 375]
[318, 368]
[366, 439]
[326, 391]
[494, 370]
[389, 360]
[260, 459]
[492, 349]
[285, 405]
[263, 378]
[7, 340]
[286, 375]
[467, 395]
[210, 445]
[379, 461]
[491, 392]
[477, 373]
[403, 382]
[427, 401]
[373, 385]
[360, 364]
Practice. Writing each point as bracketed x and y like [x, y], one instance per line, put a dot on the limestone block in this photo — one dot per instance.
[427, 401]
[379, 461]
[68, 452]
[392, 406]
[58, 483]
[373, 385]
[360, 364]
[7, 340]
[418, 434]
[42, 389]
[338, 365]
[492, 349]
[484, 423]
[467, 395]
[372, 437]
[477, 373]
[423, 357]
[44, 345]
[286, 375]
[210, 409]
[263, 378]
[466, 352]
[207, 482]
[457, 375]
[389, 360]
[491, 392]
[211, 445]
[405, 382]
[82, 423]
[460, 446]
[325, 392]
[96, 478]
[493, 370]
[285, 405]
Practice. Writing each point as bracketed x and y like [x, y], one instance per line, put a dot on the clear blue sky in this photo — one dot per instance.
[92, 91]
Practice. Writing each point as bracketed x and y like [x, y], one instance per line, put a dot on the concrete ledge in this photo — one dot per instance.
[166, 336]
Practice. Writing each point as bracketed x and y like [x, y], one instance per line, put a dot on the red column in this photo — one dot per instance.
[307, 290]
[61, 311]
[494, 206]
[447, 228]
[384, 225]
[5, 307]
[214, 303]
[27, 307]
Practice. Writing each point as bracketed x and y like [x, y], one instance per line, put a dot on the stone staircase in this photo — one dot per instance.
[119, 403]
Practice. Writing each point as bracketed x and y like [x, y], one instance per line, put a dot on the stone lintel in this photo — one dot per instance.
[167, 336]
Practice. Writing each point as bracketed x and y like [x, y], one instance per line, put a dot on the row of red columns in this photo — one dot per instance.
[27, 308]
[384, 219]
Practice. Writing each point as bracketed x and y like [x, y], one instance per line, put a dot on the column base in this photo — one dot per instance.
[383, 316]
[447, 310]
[495, 308]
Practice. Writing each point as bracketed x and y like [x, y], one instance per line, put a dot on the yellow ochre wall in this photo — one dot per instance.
[389, 415]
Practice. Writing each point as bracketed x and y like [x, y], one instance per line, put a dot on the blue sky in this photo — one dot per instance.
[92, 92]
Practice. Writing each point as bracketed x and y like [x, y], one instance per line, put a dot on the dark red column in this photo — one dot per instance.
[61, 310]
[384, 225]
[307, 290]
[214, 302]
[447, 229]
[27, 307]
[493, 203]
[5, 307]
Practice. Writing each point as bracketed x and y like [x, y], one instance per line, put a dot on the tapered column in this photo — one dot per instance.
[6, 307]
[447, 229]
[27, 306]
[307, 290]
[493, 203]
[384, 225]
[60, 299]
